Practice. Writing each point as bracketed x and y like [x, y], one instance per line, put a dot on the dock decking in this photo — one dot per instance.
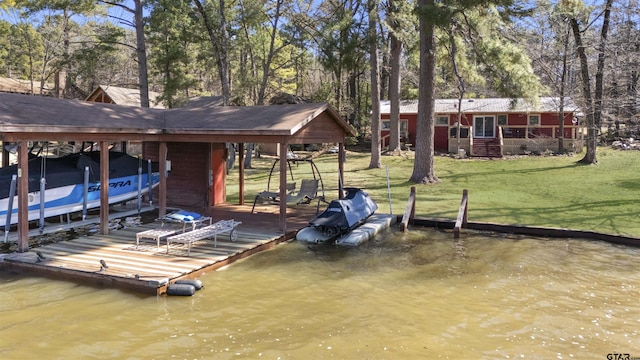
[147, 269]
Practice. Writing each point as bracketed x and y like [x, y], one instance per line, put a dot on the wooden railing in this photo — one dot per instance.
[383, 139]
[544, 131]
[409, 211]
[462, 214]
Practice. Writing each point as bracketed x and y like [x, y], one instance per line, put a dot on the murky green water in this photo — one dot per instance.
[413, 296]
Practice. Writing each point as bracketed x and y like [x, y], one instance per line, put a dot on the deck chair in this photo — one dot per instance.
[272, 196]
[205, 232]
[308, 191]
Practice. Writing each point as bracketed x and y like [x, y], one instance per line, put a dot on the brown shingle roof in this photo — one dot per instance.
[22, 86]
[21, 113]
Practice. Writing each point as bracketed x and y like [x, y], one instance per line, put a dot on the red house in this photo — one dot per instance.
[492, 127]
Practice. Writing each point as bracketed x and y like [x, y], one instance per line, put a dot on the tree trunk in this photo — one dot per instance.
[220, 44]
[66, 43]
[462, 89]
[375, 85]
[248, 155]
[563, 81]
[266, 68]
[141, 51]
[223, 62]
[423, 164]
[599, 93]
[592, 131]
[394, 95]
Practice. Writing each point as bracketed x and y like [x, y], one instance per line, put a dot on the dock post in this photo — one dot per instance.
[150, 181]
[409, 211]
[462, 214]
[140, 189]
[43, 183]
[12, 194]
[85, 193]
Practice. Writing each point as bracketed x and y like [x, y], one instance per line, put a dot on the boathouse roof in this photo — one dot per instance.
[44, 118]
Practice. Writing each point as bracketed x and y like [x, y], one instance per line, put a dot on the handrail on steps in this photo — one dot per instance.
[409, 211]
[462, 214]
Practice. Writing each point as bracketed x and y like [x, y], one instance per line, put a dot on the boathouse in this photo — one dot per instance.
[189, 142]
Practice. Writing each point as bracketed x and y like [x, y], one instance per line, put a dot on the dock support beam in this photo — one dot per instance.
[12, 194]
[23, 197]
[283, 186]
[341, 157]
[104, 187]
[162, 188]
[409, 211]
[241, 172]
[462, 214]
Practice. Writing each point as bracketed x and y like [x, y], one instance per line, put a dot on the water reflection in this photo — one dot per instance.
[419, 294]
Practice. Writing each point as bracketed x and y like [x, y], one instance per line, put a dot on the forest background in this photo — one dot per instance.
[349, 53]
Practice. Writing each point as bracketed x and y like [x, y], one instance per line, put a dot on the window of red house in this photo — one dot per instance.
[464, 132]
[534, 120]
[442, 121]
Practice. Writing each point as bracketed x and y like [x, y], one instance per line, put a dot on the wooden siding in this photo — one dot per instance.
[188, 178]
[322, 130]
[101, 97]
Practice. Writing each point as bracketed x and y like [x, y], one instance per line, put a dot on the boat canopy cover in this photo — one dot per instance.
[69, 170]
[344, 215]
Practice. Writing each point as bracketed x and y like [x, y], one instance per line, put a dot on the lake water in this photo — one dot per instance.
[419, 295]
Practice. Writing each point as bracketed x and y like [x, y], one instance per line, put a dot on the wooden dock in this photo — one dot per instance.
[147, 268]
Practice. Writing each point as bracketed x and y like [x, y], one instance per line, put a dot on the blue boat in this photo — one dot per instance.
[64, 183]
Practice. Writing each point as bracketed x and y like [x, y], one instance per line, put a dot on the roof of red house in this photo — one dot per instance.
[488, 105]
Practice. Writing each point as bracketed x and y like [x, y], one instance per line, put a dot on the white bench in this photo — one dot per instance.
[206, 232]
[155, 234]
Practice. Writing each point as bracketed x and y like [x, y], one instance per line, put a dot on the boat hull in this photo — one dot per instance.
[69, 199]
[64, 184]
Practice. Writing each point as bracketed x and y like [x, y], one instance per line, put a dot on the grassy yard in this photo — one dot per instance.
[540, 191]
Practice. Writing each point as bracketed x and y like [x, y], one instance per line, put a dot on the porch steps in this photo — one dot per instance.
[486, 148]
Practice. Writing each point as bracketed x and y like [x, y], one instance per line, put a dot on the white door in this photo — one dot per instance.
[483, 126]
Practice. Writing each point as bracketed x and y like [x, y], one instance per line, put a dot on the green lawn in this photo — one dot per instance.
[540, 191]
